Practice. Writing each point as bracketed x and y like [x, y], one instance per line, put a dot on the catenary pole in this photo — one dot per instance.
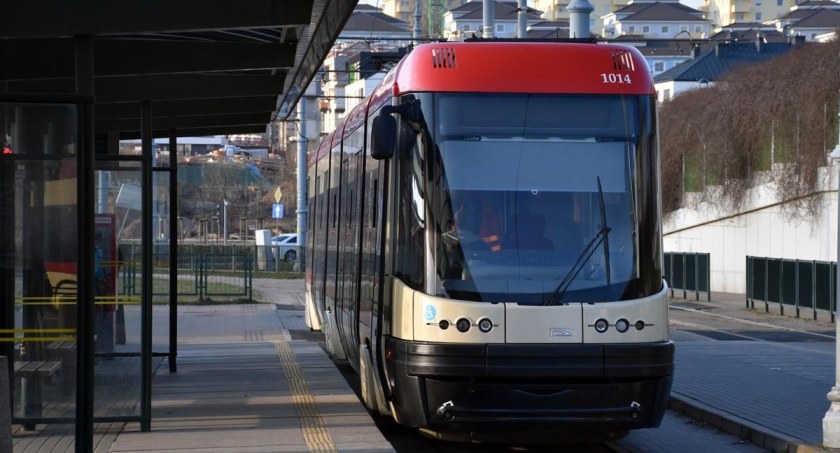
[302, 142]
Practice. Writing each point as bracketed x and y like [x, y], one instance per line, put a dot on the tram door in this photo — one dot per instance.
[318, 229]
[334, 240]
[350, 305]
[371, 224]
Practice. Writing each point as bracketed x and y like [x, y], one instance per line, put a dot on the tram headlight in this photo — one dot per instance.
[444, 324]
[601, 325]
[462, 325]
[485, 325]
[622, 325]
[640, 325]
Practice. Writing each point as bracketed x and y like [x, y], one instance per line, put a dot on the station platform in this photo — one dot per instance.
[249, 380]
[253, 378]
[765, 378]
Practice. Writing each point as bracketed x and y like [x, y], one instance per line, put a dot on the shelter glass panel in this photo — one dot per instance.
[38, 255]
[118, 240]
[161, 296]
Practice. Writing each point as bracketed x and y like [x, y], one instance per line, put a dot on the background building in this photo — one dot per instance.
[556, 10]
[660, 19]
[724, 12]
[810, 19]
[431, 12]
[708, 65]
[467, 20]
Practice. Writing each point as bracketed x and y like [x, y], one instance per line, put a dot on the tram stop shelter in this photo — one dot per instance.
[75, 79]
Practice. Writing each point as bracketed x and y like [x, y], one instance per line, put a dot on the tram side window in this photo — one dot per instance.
[373, 212]
[335, 210]
[411, 215]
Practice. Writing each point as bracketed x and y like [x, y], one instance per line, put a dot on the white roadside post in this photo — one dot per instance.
[831, 421]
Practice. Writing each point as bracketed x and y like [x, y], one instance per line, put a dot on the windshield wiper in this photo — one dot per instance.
[601, 236]
[606, 235]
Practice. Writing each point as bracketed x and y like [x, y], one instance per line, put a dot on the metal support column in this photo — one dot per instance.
[781, 287]
[696, 276]
[7, 264]
[796, 285]
[766, 285]
[146, 282]
[302, 146]
[489, 19]
[85, 272]
[173, 251]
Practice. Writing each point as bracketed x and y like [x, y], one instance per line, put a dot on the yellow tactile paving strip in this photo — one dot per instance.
[314, 432]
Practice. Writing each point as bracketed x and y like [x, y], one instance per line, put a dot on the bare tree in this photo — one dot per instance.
[779, 112]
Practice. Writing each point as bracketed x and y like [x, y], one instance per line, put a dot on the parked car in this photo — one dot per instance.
[287, 246]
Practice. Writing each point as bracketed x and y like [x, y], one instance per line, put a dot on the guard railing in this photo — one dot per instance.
[226, 273]
[799, 284]
[688, 272]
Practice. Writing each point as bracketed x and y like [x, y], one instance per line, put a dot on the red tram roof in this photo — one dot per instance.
[524, 67]
[505, 67]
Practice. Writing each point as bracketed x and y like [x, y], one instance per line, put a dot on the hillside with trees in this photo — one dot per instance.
[775, 120]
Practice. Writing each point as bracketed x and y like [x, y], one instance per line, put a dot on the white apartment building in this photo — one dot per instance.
[556, 10]
[467, 20]
[431, 14]
[660, 54]
[706, 66]
[367, 30]
[659, 20]
[811, 19]
[724, 12]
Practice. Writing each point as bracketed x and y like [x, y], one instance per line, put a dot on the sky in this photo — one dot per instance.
[696, 4]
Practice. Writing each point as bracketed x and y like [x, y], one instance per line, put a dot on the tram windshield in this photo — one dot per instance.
[533, 197]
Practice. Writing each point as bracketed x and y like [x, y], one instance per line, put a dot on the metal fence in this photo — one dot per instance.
[800, 284]
[688, 272]
[218, 272]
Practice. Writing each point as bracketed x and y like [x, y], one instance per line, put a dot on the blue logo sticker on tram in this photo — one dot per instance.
[430, 313]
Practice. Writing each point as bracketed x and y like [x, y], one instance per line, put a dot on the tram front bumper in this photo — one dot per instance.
[491, 386]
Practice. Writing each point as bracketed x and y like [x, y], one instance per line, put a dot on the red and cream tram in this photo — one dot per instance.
[484, 242]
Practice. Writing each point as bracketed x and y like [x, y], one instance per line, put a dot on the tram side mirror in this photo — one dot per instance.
[383, 139]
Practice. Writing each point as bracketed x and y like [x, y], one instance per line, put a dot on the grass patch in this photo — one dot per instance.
[279, 275]
[221, 293]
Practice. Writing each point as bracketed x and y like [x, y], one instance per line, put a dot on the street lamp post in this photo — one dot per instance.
[831, 421]
[224, 221]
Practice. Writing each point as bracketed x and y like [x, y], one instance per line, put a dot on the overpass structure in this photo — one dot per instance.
[75, 78]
